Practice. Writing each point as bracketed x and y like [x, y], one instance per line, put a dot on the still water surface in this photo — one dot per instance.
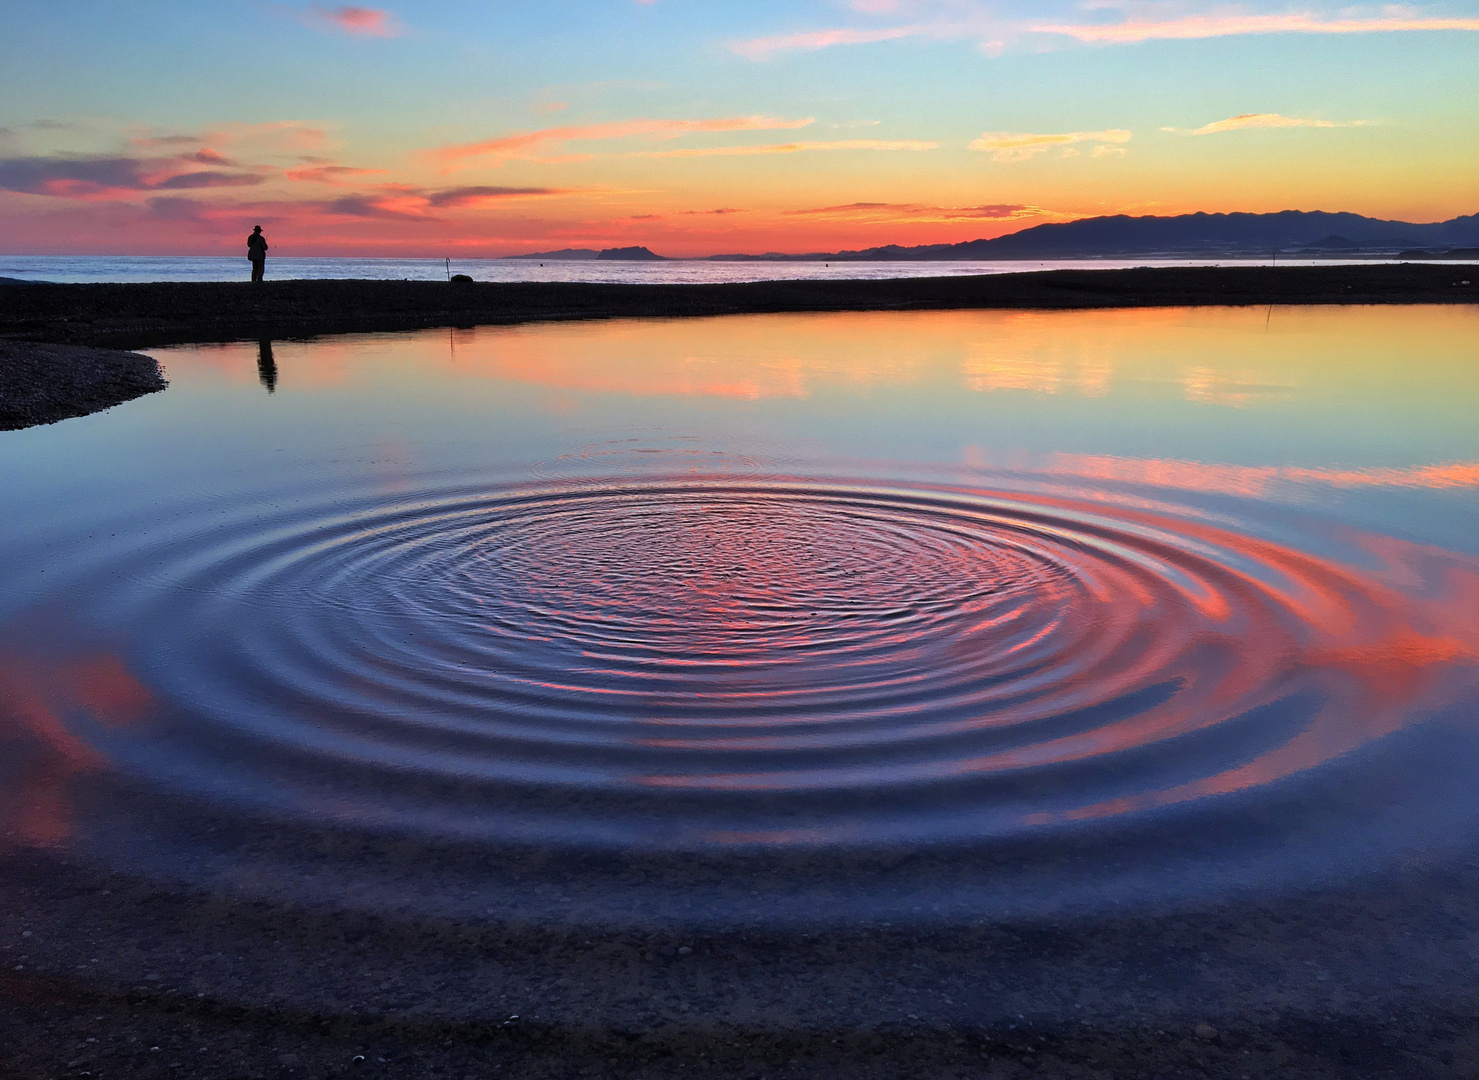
[1088, 607]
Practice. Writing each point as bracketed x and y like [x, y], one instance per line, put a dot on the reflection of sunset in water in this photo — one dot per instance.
[40, 701]
[1240, 357]
[729, 588]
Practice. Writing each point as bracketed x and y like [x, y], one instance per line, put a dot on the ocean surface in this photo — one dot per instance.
[718, 620]
[97, 268]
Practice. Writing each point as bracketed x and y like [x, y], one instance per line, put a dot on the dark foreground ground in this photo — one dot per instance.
[103, 977]
[141, 316]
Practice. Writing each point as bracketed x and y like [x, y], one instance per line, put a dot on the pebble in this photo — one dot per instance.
[1206, 1032]
[685, 951]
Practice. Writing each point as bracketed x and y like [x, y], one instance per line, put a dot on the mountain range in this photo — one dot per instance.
[1287, 232]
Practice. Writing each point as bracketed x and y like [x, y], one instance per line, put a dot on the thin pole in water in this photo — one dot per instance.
[449, 269]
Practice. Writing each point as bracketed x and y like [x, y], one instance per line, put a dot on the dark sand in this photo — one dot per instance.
[41, 384]
[141, 316]
[1373, 980]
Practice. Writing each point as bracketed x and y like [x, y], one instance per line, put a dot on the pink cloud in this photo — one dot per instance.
[360, 21]
[878, 212]
[766, 47]
[526, 142]
[1208, 26]
[992, 33]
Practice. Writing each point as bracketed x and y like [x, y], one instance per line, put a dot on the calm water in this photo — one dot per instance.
[1089, 607]
[100, 268]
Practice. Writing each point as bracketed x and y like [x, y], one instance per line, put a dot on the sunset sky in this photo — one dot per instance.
[703, 126]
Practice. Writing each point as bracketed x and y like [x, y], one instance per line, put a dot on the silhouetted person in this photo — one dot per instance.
[257, 252]
[266, 365]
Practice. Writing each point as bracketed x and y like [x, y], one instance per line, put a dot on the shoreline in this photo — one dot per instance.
[134, 316]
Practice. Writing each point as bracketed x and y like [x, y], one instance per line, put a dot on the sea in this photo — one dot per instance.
[135, 268]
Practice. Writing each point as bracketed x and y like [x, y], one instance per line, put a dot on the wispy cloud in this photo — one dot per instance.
[525, 143]
[111, 177]
[482, 195]
[1192, 27]
[358, 21]
[965, 20]
[764, 48]
[790, 148]
[881, 212]
[1264, 120]
[328, 173]
[407, 203]
[1018, 145]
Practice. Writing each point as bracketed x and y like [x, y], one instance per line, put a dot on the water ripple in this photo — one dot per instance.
[733, 665]
[683, 662]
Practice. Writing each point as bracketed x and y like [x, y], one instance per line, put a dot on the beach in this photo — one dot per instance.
[144, 315]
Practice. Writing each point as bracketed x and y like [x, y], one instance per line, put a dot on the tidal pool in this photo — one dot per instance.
[724, 619]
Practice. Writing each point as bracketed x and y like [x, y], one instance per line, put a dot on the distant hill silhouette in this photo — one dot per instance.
[1182, 235]
[631, 254]
[564, 254]
[628, 254]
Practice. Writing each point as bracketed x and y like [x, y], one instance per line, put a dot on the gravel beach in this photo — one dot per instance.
[145, 315]
[41, 384]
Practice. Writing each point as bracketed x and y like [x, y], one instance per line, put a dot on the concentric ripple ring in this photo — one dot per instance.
[685, 662]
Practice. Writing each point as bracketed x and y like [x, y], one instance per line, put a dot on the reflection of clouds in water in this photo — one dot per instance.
[43, 700]
[1236, 388]
[1216, 478]
[988, 371]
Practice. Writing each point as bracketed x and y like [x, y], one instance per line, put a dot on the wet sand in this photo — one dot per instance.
[102, 976]
[145, 315]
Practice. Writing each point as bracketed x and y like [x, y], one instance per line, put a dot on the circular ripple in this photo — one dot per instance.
[718, 664]
[687, 663]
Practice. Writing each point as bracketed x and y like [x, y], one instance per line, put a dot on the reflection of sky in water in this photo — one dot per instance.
[879, 578]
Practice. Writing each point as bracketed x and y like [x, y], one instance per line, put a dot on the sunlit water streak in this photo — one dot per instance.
[1075, 680]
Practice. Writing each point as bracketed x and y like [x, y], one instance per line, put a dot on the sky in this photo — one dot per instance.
[481, 128]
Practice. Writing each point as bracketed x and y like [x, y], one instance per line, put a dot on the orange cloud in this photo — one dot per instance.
[1192, 27]
[1018, 146]
[525, 142]
[1267, 120]
[791, 148]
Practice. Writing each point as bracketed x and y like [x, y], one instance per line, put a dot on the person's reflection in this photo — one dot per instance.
[266, 366]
